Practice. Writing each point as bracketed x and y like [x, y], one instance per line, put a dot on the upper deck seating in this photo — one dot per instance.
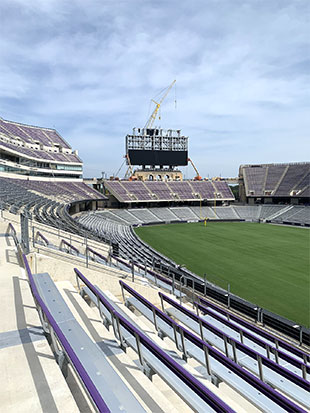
[183, 189]
[32, 134]
[35, 142]
[160, 189]
[204, 189]
[293, 175]
[223, 189]
[276, 180]
[137, 191]
[254, 176]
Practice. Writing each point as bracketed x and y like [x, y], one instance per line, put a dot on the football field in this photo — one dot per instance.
[265, 264]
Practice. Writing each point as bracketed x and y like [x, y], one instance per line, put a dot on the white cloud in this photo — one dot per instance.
[91, 67]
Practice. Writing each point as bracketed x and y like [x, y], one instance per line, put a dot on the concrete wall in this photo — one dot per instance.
[105, 278]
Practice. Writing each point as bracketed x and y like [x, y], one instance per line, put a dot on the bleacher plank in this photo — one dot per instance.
[114, 392]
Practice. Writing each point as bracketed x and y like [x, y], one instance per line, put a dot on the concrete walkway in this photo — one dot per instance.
[30, 378]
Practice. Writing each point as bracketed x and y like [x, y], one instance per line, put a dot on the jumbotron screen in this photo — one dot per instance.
[157, 157]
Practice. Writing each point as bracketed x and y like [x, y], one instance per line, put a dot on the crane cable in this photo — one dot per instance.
[120, 167]
[175, 96]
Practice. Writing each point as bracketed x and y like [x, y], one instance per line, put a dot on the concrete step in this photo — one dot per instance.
[30, 378]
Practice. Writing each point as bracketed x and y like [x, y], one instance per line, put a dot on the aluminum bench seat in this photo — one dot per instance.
[153, 358]
[257, 343]
[260, 394]
[113, 390]
[272, 373]
[206, 305]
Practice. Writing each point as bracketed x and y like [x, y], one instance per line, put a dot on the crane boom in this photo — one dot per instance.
[152, 118]
[197, 177]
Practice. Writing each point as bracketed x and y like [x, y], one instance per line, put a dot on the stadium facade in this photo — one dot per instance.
[38, 162]
[36, 151]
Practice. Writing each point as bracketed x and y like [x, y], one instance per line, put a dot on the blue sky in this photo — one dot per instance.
[90, 68]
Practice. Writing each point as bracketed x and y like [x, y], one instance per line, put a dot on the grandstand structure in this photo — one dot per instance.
[275, 183]
[36, 151]
[160, 193]
[93, 319]
[39, 169]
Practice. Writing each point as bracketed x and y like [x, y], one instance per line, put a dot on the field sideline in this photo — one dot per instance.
[265, 264]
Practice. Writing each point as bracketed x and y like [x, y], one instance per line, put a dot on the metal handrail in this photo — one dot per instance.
[96, 253]
[71, 247]
[39, 235]
[12, 231]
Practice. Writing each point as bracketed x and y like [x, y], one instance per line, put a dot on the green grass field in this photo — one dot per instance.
[265, 264]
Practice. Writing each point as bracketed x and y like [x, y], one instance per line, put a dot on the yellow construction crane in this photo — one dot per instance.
[152, 118]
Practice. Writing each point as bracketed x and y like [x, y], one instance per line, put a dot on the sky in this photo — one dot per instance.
[90, 69]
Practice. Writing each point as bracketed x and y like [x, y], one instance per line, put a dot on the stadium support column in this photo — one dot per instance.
[24, 224]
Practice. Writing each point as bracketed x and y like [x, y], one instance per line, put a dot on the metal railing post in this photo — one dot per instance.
[139, 349]
[228, 297]
[86, 253]
[181, 278]
[183, 344]
[162, 303]
[175, 336]
[119, 331]
[123, 294]
[225, 345]
[207, 360]
[260, 368]
[193, 292]
[233, 343]
[201, 329]
[132, 271]
[154, 318]
[300, 336]
[205, 284]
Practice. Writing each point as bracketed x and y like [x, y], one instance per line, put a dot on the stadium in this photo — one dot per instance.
[152, 293]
